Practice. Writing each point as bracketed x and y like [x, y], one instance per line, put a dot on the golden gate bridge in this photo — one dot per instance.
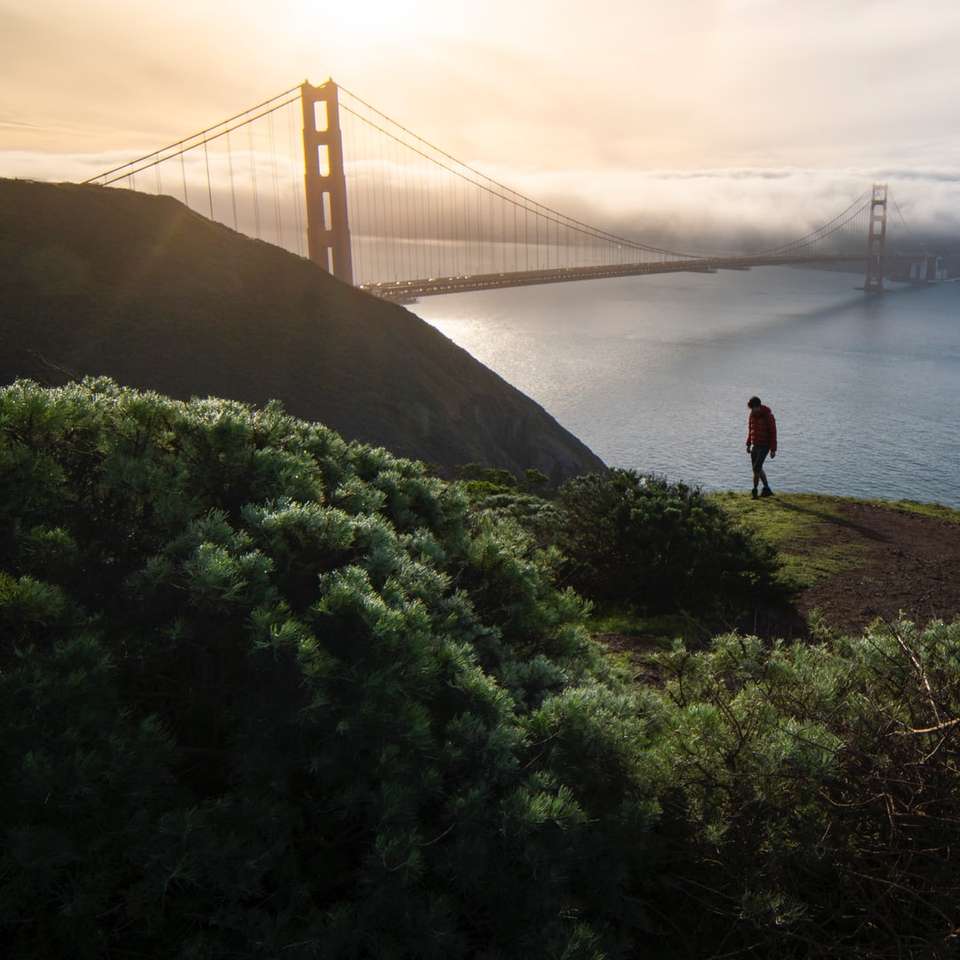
[325, 174]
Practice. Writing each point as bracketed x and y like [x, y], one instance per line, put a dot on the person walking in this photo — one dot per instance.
[761, 440]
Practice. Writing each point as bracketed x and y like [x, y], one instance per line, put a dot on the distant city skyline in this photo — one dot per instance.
[695, 108]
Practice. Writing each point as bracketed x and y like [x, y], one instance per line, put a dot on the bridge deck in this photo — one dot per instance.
[402, 291]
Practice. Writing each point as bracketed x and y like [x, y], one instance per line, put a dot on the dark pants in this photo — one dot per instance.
[758, 454]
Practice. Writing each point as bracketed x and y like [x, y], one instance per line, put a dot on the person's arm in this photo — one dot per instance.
[773, 435]
[749, 430]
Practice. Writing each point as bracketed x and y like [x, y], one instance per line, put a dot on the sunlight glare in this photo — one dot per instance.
[365, 21]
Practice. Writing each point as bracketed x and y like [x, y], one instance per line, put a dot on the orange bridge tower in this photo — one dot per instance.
[876, 240]
[328, 229]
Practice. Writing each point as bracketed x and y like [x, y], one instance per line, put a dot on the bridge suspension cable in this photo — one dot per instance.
[825, 230]
[909, 234]
[554, 228]
[497, 188]
[256, 188]
[180, 147]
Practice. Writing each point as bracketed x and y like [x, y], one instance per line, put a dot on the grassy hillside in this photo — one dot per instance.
[110, 282]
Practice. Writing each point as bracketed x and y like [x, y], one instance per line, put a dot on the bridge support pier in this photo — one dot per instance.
[328, 229]
[876, 240]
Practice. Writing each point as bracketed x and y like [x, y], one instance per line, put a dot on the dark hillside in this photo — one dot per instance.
[104, 281]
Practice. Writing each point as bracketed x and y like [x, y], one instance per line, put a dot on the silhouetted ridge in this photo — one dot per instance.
[105, 281]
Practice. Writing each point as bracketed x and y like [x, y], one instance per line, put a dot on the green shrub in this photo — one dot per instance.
[538, 517]
[265, 693]
[479, 473]
[534, 481]
[639, 540]
[814, 795]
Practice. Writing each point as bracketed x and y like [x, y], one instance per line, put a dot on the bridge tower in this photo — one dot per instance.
[328, 230]
[876, 240]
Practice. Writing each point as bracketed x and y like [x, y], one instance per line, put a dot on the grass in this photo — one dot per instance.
[802, 527]
[645, 631]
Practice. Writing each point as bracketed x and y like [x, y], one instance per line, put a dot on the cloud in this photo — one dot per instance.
[720, 208]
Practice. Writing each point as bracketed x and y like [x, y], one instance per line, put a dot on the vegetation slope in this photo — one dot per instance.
[266, 693]
[111, 282]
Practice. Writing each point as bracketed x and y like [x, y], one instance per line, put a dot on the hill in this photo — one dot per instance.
[112, 282]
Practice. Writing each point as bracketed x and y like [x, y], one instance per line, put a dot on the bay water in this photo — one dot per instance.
[654, 373]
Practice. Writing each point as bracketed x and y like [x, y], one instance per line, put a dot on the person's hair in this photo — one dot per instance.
[753, 402]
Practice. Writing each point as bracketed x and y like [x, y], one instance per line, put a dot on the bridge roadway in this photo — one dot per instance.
[405, 291]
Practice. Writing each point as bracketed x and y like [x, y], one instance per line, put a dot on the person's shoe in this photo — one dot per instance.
[753, 493]
[766, 492]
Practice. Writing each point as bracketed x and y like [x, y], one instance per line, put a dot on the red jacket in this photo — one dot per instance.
[762, 428]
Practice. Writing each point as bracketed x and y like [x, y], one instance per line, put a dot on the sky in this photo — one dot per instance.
[700, 110]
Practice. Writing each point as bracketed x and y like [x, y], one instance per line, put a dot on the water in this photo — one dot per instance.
[654, 373]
